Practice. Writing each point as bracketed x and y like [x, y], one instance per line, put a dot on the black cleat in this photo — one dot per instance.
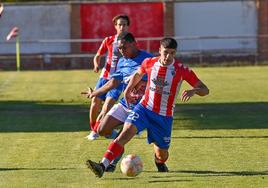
[96, 168]
[161, 167]
[110, 168]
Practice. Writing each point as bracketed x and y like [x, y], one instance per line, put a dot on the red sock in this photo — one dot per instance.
[159, 160]
[113, 151]
[96, 126]
[92, 125]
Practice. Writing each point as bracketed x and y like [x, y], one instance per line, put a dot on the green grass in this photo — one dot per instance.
[217, 141]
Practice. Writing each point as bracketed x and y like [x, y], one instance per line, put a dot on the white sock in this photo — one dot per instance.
[105, 162]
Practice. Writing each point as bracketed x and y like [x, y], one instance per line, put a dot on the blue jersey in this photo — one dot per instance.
[126, 67]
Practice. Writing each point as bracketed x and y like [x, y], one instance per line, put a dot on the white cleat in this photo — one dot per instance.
[92, 136]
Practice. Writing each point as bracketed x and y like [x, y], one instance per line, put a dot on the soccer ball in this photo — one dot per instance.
[131, 165]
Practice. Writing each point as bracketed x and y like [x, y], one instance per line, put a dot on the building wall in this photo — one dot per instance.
[146, 20]
[35, 23]
[226, 18]
[263, 29]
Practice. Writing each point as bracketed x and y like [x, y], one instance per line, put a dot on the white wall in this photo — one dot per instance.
[216, 19]
[36, 22]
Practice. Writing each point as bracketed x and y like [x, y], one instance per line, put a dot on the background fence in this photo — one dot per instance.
[67, 35]
[68, 60]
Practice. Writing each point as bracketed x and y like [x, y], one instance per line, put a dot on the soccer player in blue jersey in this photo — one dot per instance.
[127, 65]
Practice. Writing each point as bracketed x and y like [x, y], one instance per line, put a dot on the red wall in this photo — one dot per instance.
[146, 20]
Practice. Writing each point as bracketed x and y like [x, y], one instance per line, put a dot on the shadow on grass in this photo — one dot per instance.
[21, 116]
[18, 116]
[223, 173]
[250, 115]
[211, 173]
[167, 181]
[212, 137]
[14, 169]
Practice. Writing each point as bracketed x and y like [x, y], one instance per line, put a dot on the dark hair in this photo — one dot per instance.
[169, 43]
[121, 16]
[126, 36]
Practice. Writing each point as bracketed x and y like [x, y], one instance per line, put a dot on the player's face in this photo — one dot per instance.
[126, 48]
[121, 26]
[166, 55]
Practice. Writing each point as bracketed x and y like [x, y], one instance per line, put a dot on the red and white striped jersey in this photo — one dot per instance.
[110, 45]
[163, 84]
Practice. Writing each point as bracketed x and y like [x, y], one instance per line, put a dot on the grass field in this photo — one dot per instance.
[217, 141]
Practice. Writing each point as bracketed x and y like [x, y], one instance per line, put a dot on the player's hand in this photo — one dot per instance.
[186, 95]
[96, 68]
[130, 98]
[88, 93]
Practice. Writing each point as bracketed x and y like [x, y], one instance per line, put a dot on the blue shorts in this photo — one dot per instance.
[113, 93]
[158, 127]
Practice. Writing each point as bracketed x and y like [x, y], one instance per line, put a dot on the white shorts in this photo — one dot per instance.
[119, 112]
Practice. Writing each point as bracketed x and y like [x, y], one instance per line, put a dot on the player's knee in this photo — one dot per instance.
[105, 109]
[108, 105]
[128, 132]
[94, 103]
[103, 130]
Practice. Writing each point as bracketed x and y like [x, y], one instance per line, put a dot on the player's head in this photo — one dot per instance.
[127, 45]
[167, 50]
[121, 23]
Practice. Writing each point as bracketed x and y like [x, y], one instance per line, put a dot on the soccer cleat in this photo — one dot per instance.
[161, 167]
[92, 136]
[96, 168]
[110, 168]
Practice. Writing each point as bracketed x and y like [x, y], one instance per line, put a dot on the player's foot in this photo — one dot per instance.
[110, 168]
[96, 168]
[161, 167]
[92, 136]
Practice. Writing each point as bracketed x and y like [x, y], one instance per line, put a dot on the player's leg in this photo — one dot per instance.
[107, 105]
[107, 125]
[115, 117]
[106, 128]
[93, 114]
[161, 156]
[111, 97]
[159, 133]
[95, 109]
[134, 123]
[115, 149]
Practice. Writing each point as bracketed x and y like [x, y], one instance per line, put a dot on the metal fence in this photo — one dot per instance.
[193, 49]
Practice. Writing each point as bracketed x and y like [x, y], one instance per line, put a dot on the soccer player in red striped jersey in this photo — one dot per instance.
[110, 45]
[155, 110]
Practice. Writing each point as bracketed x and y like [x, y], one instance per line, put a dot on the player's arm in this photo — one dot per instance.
[111, 84]
[199, 89]
[96, 62]
[135, 79]
[97, 58]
